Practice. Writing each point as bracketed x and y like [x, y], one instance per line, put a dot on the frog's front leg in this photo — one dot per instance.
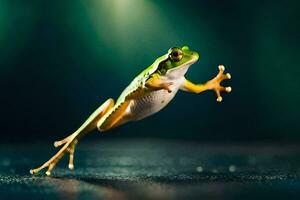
[213, 84]
[156, 83]
[70, 142]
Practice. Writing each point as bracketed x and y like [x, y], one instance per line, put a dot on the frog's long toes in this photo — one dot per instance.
[61, 142]
[218, 93]
[221, 68]
[71, 166]
[71, 151]
[225, 77]
[57, 144]
[37, 170]
[219, 99]
[228, 89]
[48, 173]
[217, 81]
[71, 161]
[51, 166]
[228, 76]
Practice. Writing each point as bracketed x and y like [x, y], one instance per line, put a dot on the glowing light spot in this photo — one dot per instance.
[232, 168]
[199, 169]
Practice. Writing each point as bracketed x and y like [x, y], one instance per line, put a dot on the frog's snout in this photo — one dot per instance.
[195, 55]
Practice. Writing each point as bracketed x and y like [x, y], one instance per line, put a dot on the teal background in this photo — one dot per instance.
[59, 60]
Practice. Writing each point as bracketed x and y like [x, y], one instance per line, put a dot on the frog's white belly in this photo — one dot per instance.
[153, 102]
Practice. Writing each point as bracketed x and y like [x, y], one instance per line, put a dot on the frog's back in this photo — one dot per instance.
[133, 86]
[140, 80]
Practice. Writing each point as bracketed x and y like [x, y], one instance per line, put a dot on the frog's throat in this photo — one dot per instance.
[179, 71]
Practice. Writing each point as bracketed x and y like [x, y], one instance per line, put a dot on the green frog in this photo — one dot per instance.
[147, 94]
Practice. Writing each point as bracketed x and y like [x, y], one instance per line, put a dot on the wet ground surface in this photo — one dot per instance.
[154, 169]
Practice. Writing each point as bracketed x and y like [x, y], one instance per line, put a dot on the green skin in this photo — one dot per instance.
[147, 94]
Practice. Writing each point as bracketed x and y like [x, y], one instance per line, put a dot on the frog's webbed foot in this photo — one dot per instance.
[69, 144]
[215, 83]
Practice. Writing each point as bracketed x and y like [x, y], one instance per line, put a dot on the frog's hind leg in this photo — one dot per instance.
[117, 116]
[70, 142]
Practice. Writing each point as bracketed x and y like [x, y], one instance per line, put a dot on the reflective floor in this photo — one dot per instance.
[154, 169]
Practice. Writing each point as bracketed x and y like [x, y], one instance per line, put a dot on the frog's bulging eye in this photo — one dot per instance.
[175, 54]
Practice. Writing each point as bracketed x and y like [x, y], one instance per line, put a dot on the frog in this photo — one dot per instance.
[148, 93]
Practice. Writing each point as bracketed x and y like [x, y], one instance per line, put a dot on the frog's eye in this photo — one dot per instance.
[175, 54]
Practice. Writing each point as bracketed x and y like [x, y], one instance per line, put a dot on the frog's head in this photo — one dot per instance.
[178, 61]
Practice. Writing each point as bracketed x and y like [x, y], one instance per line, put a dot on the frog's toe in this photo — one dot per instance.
[71, 151]
[225, 77]
[220, 89]
[228, 76]
[61, 142]
[221, 68]
[228, 89]
[50, 165]
[218, 93]
[69, 147]
[221, 76]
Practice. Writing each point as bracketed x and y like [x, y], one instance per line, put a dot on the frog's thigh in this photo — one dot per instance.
[115, 118]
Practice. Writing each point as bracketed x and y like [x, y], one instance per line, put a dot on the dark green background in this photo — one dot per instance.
[60, 60]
